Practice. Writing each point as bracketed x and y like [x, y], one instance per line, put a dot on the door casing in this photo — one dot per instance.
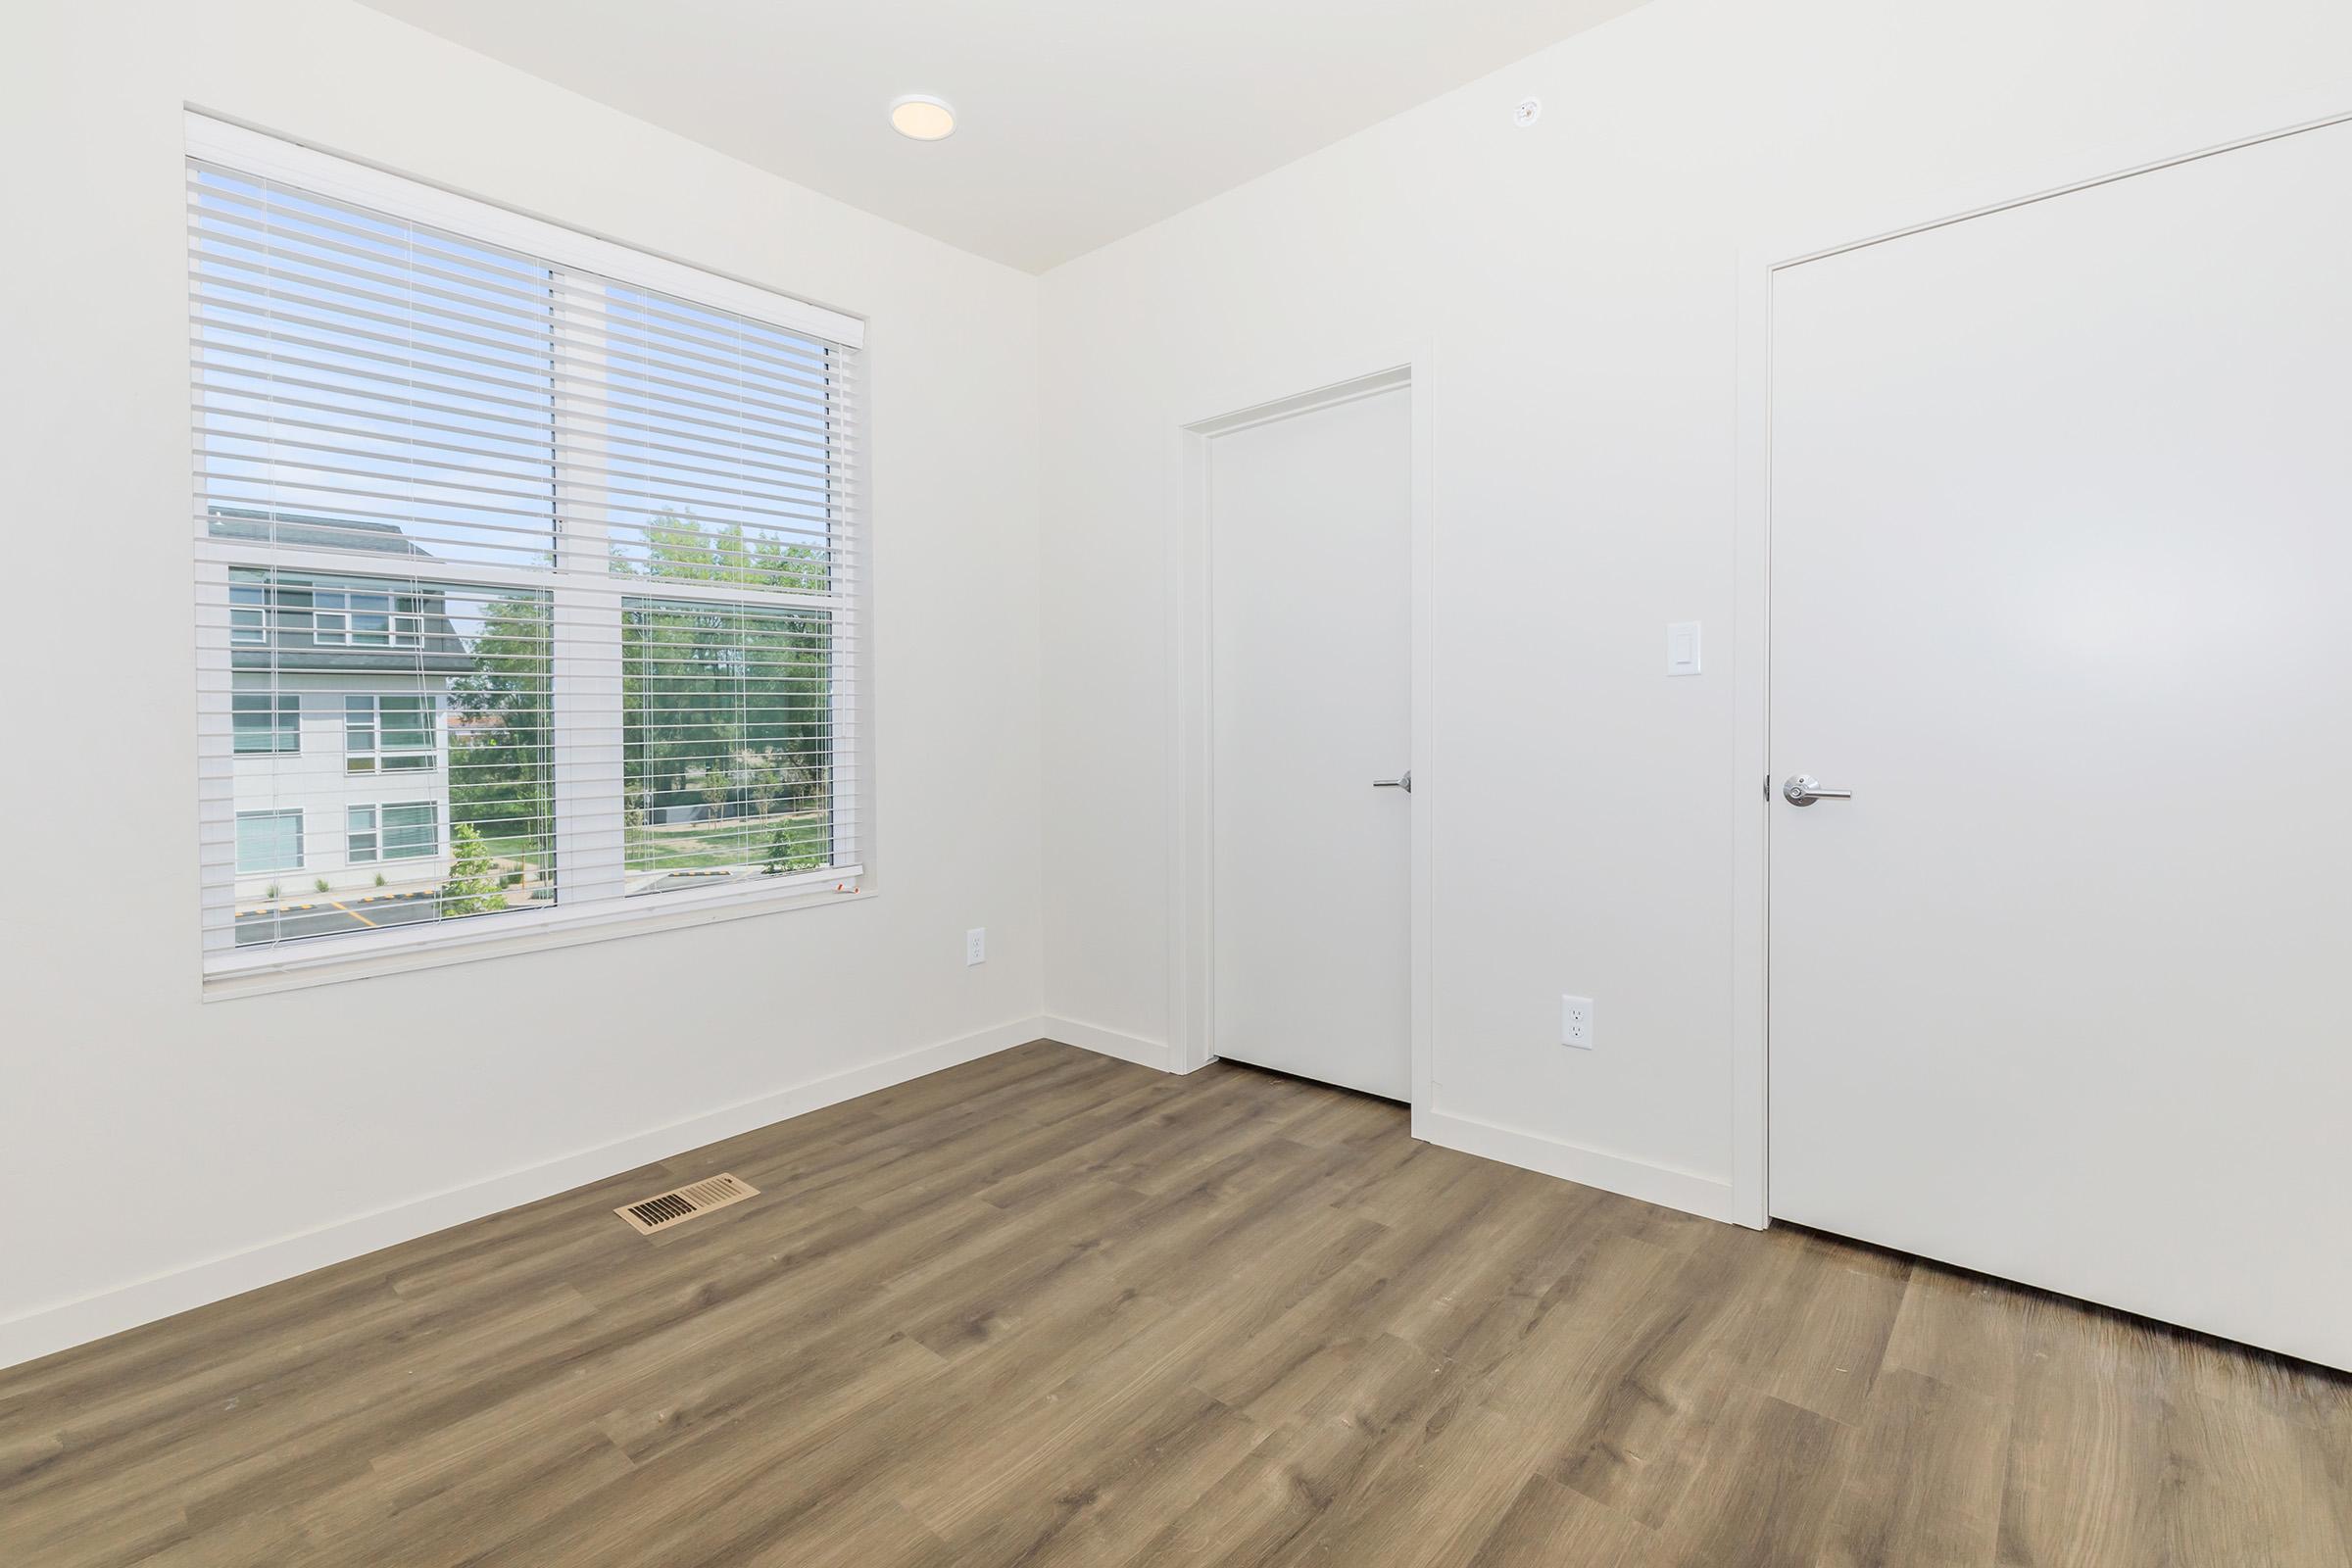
[1191, 1002]
[2200, 137]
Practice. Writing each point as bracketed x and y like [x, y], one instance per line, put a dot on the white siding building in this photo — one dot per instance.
[339, 710]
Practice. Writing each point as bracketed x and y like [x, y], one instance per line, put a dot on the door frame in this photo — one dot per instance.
[1761, 258]
[1191, 968]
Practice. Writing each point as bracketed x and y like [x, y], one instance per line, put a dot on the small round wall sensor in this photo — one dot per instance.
[1529, 111]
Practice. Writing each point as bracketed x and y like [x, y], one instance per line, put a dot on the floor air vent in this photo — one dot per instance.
[680, 1204]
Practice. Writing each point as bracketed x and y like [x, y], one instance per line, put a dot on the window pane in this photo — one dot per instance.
[365, 383]
[359, 834]
[412, 831]
[407, 723]
[261, 721]
[471, 831]
[721, 446]
[268, 841]
[727, 736]
[248, 613]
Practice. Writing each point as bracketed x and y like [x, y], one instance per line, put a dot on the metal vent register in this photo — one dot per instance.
[682, 1203]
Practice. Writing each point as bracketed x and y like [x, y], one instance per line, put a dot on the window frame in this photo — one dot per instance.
[581, 581]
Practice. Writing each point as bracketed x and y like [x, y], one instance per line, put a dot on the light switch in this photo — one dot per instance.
[1681, 648]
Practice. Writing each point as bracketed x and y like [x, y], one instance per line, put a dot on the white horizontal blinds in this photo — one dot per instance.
[717, 466]
[729, 736]
[367, 384]
[506, 568]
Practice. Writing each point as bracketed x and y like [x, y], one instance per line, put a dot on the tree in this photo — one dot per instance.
[783, 854]
[716, 786]
[500, 780]
[703, 683]
[761, 779]
[473, 885]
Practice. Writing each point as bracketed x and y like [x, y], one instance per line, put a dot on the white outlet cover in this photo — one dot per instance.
[975, 946]
[1575, 1022]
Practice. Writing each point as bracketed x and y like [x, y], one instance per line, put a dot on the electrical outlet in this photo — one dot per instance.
[975, 944]
[1575, 1022]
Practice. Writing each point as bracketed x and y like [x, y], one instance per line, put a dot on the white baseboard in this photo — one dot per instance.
[49, 1329]
[1107, 1042]
[1663, 1184]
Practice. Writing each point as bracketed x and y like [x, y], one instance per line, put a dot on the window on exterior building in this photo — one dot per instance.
[342, 617]
[412, 831]
[268, 841]
[388, 732]
[248, 614]
[359, 834]
[567, 534]
[268, 723]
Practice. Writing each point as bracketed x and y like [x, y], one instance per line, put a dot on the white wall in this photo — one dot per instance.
[185, 1131]
[1575, 285]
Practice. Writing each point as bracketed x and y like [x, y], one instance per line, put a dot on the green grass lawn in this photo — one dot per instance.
[695, 845]
[741, 841]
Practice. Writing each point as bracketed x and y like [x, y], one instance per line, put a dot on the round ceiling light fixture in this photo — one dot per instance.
[922, 116]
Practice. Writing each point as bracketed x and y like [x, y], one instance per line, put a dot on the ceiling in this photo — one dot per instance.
[1078, 120]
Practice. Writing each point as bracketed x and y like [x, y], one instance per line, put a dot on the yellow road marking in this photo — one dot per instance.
[356, 915]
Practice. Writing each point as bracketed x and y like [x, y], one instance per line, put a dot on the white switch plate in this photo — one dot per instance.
[1681, 648]
[975, 944]
[1575, 1022]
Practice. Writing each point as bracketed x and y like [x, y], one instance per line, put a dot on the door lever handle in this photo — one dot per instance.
[1803, 789]
[1404, 783]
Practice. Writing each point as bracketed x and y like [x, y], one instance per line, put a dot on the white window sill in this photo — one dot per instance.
[330, 961]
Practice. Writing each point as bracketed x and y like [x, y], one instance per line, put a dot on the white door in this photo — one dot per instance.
[2062, 593]
[1310, 593]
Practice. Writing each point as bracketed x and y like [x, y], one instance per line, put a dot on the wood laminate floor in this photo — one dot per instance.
[1049, 1308]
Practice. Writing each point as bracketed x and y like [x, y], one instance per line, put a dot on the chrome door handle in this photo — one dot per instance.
[1803, 789]
[1405, 783]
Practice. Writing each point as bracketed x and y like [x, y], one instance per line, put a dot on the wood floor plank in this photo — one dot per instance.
[1764, 1497]
[1051, 1309]
[1962, 1330]
[1812, 1319]
[1548, 1525]
[1925, 1487]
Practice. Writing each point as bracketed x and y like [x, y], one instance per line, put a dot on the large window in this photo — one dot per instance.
[562, 536]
